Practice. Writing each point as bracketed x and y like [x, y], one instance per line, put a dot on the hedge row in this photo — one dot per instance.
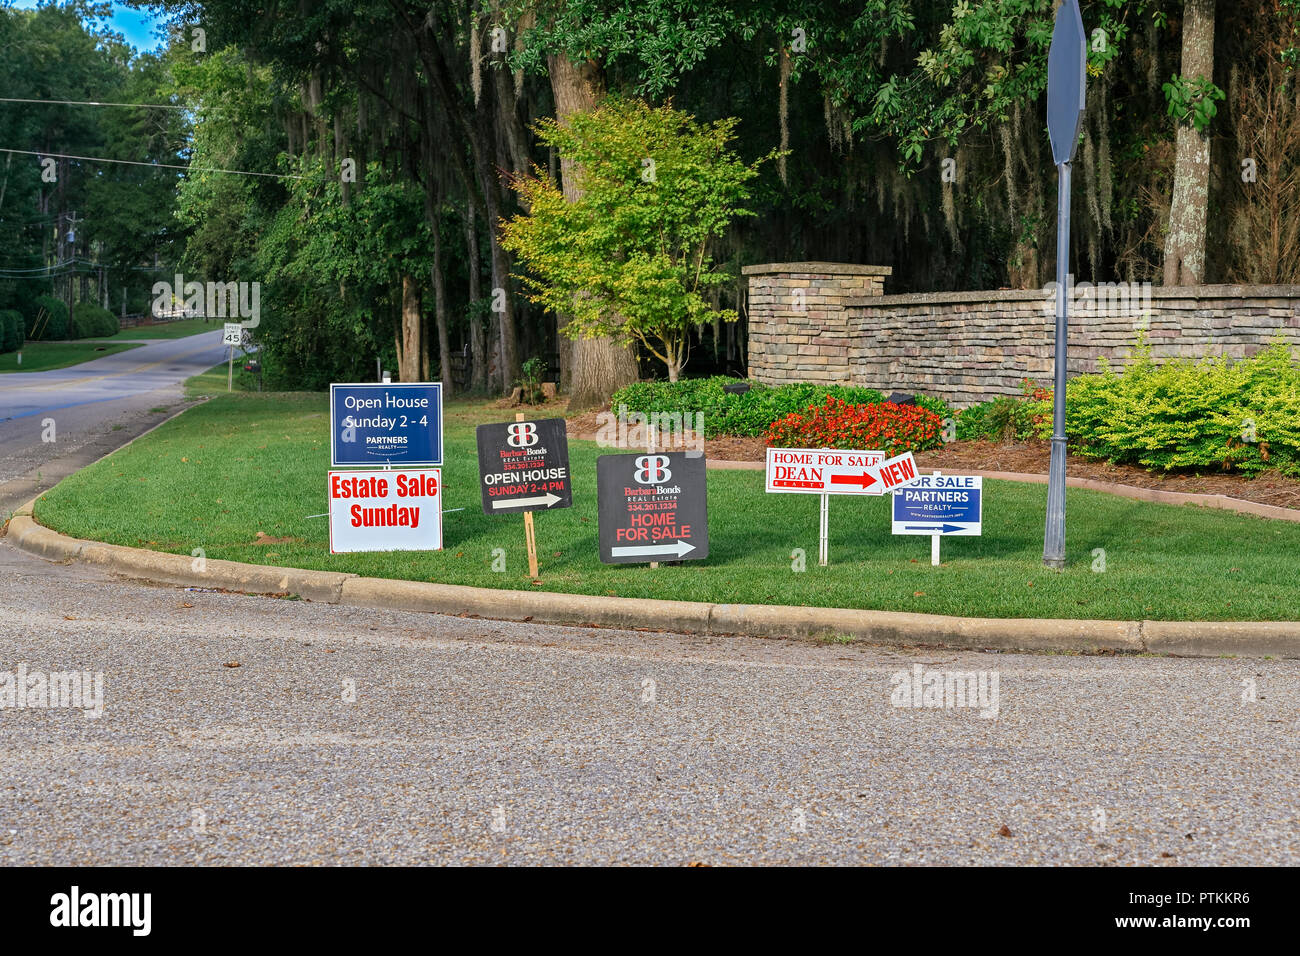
[749, 413]
[1216, 414]
[90, 321]
[11, 330]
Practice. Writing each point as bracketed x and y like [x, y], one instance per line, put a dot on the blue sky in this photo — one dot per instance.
[136, 25]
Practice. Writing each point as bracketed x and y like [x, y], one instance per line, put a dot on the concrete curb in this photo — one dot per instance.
[1181, 638]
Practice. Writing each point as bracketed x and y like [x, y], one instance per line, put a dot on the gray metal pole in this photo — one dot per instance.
[1054, 536]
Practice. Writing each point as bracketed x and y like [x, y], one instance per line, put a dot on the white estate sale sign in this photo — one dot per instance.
[398, 510]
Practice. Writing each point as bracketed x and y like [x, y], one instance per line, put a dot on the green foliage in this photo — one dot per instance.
[531, 375]
[1007, 418]
[1214, 414]
[1003, 419]
[630, 258]
[49, 320]
[91, 321]
[11, 330]
[332, 276]
[936, 405]
[747, 414]
[1192, 101]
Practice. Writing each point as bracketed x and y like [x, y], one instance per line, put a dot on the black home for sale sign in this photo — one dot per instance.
[652, 507]
[524, 466]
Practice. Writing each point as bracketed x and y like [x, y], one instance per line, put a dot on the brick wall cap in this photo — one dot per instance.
[817, 268]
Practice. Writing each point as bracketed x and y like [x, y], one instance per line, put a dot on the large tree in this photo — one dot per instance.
[1192, 96]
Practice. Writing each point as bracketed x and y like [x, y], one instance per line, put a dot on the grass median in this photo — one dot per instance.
[242, 475]
[44, 356]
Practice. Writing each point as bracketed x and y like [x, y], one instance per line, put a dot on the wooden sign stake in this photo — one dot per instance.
[530, 534]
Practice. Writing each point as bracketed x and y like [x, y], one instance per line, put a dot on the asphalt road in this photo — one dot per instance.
[95, 407]
[251, 730]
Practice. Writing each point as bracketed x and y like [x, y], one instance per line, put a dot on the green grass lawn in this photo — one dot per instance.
[167, 330]
[213, 381]
[43, 356]
[239, 464]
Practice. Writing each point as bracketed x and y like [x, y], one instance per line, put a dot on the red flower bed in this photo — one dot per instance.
[883, 426]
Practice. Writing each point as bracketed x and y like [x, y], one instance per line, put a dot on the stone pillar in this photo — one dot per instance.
[798, 316]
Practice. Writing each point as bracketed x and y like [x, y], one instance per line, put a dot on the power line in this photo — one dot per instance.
[132, 162]
[148, 106]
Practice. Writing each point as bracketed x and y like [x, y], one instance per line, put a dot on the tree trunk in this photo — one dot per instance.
[1189, 206]
[440, 308]
[408, 359]
[591, 369]
[477, 343]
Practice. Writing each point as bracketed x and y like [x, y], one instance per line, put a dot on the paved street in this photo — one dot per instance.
[477, 741]
[96, 406]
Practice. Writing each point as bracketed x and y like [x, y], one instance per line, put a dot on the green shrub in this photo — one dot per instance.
[1007, 418]
[747, 414]
[49, 320]
[1217, 414]
[91, 321]
[11, 330]
[1236, 416]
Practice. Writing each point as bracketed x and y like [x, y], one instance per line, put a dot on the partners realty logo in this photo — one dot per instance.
[77, 909]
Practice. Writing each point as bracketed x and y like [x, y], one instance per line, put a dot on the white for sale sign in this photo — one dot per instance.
[831, 471]
[398, 510]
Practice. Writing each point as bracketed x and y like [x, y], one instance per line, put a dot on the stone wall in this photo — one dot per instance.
[799, 322]
[970, 346]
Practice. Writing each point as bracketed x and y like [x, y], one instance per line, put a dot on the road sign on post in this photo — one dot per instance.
[652, 507]
[1066, 93]
[835, 471]
[825, 472]
[390, 424]
[232, 334]
[524, 467]
[940, 505]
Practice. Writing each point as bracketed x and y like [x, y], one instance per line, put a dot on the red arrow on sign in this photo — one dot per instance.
[866, 479]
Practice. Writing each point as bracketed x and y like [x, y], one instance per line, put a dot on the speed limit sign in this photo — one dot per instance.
[232, 333]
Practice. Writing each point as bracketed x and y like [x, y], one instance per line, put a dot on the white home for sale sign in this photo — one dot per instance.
[396, 510]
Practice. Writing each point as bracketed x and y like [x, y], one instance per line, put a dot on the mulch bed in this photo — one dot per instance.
[1030, 458]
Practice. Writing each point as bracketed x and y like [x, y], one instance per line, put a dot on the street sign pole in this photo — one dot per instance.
[1066, 95]
[230, 371]
[1054, 535]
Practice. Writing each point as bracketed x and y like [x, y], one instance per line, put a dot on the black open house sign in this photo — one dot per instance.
[524, 466]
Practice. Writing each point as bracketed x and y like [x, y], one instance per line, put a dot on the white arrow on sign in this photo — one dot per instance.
[652, 550]
[545, 500]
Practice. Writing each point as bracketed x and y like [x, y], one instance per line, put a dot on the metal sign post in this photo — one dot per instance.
[1066, 92]
[231, 335]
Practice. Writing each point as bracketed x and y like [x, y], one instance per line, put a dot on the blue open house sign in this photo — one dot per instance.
[390, 424]
[940, 505]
